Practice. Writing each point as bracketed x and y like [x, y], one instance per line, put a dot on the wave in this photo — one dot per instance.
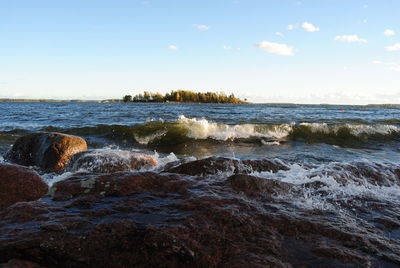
[191, 129]
[334, 184]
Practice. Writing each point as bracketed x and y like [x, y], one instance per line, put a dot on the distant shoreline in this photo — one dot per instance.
[176, 102]
[55, 100]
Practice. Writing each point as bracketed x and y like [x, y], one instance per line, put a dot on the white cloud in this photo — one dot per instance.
[389, 32]
[292, 27]
[394, 47]
[309, 27]
[376, 62]
[276, 48]
[231, 48]
[280, 34]
[172, 47]
[350, 38]
[201, 27]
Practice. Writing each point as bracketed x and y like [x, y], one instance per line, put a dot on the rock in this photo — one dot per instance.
[110, 161]
[18, 183]
[148, 219]
[117, 184]
[50, 151]
[215, 165]
[254, 186]
[16, 263]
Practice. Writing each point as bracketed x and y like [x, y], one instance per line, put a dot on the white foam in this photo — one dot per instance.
[355, 130]
[147, 139]
[270, 143]
[340, 186]
[162, 161]
[204, 129]
[51, 178]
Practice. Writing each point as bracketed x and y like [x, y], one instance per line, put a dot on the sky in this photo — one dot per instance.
[306, 51]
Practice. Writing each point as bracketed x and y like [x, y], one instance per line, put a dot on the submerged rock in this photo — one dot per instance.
[148, 219]
[50, 151]
[18, 183]
[109, 161]
[216, 165]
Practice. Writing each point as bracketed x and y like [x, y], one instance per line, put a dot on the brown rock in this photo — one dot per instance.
[16, 263]
[254, 186]
[117, 184]
[107, 161]
[215, 165]
[18, 183]
[146, 219]
[46, 150]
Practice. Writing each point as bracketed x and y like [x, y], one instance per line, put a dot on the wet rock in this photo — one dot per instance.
[254, 186]
[18, 183]
[117, 184]
[147, 219]
[216, 165]
[264, 165]
[16, 263]
[50, 151]
[108, 161]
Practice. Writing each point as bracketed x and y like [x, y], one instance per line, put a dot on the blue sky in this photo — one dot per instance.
[307, 51]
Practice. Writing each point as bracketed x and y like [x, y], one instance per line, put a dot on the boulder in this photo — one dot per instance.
[146, 219]
[18, 183]
[255, 186]
[50, 151]
[110, 161]
[216, 165]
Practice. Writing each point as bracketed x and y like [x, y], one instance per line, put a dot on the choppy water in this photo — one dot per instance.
[316, 133]
[315, 141]
[343, 160]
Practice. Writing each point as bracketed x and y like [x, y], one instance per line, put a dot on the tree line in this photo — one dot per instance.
[184, 96]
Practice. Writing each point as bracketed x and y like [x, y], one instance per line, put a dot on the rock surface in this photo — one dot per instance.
[18, 183]
[148, 219]
[50, 151]
[215, 165]
[16, 263]
[109, 161]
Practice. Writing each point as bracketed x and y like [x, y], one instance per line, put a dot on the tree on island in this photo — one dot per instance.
[127, 98]
[184, 96]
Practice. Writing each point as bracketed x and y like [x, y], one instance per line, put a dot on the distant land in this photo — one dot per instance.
[56, 100]
[184, 96]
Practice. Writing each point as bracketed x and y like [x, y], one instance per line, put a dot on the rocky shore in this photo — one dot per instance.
[125, 210]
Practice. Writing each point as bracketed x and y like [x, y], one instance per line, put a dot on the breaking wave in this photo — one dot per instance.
[332, 185]
[185, 129]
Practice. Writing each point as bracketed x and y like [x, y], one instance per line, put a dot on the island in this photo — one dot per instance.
[184, 96]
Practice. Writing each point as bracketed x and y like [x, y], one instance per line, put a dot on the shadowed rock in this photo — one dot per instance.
[107, 161]
[215, 165]
[50, 151]
[254, 186]
[146, 219]
[16, 263]
[117, 184]
[18, 183]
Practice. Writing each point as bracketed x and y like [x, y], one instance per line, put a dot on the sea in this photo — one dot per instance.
[344, 161]
[353, 150]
